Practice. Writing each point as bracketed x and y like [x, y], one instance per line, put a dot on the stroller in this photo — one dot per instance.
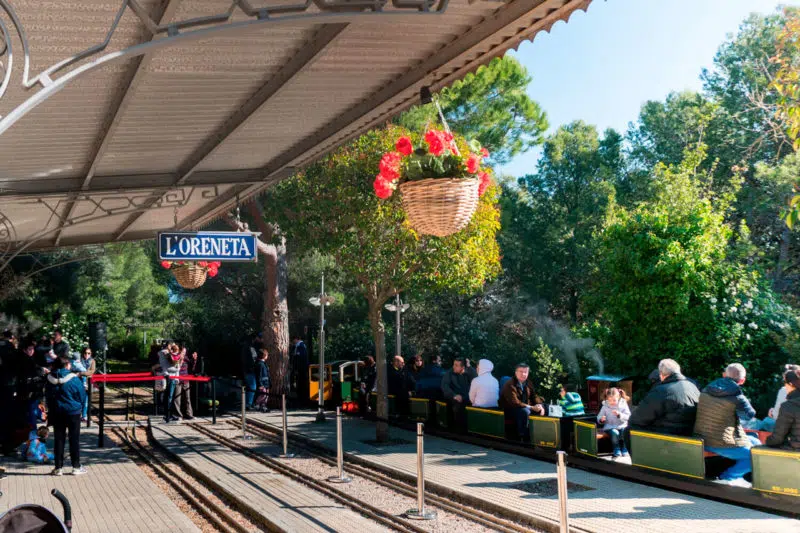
[30, 518]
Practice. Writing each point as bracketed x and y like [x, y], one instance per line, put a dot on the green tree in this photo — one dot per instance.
[548, 370]
[335, 208]
[549, 224]
[492, 106]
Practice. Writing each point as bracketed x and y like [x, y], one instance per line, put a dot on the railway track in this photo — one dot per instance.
[406, 489]
[385, 518]
[193, 486]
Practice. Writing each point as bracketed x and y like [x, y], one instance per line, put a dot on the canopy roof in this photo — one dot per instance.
[185, 107]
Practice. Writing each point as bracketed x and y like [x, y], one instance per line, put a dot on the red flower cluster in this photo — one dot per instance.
[440, 143]
[212, 267]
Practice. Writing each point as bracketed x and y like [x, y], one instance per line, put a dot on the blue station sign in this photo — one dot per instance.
[208, 246]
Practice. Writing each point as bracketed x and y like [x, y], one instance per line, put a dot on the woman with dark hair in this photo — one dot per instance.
[787, 426]
[65, 398]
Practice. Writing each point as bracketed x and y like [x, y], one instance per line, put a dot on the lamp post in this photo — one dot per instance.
[321, 301]
[398, 308]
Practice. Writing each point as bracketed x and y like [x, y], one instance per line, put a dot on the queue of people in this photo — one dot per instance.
[42, 382]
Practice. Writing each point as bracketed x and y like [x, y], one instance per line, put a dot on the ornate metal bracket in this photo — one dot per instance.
[311, 11]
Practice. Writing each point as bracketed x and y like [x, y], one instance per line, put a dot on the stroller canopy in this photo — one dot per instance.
[31, 518]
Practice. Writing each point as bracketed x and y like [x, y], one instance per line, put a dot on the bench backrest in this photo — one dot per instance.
[585, 437]
[668, 453]
[776, 471]
[486, 422]
[441, 414]
[419, 409]
[373, 402]
[545, 431]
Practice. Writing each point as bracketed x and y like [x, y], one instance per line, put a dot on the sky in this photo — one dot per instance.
[604, 64]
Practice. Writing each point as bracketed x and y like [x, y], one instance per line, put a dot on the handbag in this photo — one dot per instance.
[161, 385]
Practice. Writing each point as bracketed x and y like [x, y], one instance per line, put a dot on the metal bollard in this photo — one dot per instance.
[341, 478]
[420, 513]
[214, 401]
[89, 403]
[561, 470]
[285, 454]
[245, 436]
[101, 419]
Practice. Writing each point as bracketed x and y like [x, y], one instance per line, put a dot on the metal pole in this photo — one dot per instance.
[155, 399]
[89, 402]
[213, 401]
[102, 418]
[561, 470]
[420, 513]
[245, 436]
[397, 348]
[133, 408]
[285, 454]
[321, 372]
[339, 451]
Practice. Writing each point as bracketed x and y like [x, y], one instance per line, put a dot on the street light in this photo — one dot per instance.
[398, 308]
[321, 301]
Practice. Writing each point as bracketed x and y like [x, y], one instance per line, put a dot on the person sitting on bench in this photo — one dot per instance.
[518, 400]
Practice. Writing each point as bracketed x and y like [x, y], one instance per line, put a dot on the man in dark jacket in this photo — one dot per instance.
[247, 355]
[719, 410]
[787, 426]
[455, 390]
[299, 372]
[518, 400]
[429, 384]
[398, 384]
[669, 407]
[60, 345]
[65, 397]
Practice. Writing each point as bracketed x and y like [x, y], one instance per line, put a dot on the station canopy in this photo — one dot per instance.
[123, 118]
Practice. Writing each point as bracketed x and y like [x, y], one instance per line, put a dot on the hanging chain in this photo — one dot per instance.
[238, 215]
[175, 217]
[444, 123]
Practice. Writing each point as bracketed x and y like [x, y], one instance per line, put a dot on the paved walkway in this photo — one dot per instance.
[114, 497]
[603, 504]
[288, 504]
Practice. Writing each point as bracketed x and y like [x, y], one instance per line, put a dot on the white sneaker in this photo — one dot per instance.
[741, 482]
[79, 471]
[57, 472]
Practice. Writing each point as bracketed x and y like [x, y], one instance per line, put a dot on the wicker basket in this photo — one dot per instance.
[189, 276]
[441, 206]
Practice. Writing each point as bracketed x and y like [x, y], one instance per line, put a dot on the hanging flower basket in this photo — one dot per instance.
[439, 207]
[191, 275]
[440, 187]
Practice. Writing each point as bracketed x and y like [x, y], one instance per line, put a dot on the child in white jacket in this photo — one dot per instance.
[614, 416]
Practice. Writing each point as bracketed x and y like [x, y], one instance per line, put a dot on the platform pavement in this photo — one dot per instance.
[288, 504]
[115, 496]
[611, 504]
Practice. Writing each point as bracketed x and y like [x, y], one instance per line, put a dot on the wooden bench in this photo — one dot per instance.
[673, 454]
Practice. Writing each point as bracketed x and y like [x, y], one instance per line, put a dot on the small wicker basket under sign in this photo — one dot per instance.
[189, 276]
[441, 206]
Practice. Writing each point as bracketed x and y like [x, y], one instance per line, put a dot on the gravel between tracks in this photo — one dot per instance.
[363, 489]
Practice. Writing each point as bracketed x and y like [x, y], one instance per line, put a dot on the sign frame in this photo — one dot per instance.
[251, 236]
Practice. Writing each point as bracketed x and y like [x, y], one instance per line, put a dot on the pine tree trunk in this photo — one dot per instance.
[275, 318]
[379, 337]
[779, 282]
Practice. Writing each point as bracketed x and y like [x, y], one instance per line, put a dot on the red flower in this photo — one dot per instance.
[484, 183]
[166, 264]
[383, 187]
[484, 153]
[435, 142]
[215, 264]
[202, 264]
[212, 272]
[473, 164]
[390, 165]
[404, 146]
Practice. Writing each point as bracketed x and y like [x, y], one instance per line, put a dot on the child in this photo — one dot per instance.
[614, 416]
[35, 449]
[262, 381]
[571, 401]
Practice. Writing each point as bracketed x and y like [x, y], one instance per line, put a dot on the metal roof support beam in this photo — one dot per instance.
[164, 12]
[402, 93]
[301, 61]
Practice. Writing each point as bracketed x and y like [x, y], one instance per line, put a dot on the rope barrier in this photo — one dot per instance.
[123, 378]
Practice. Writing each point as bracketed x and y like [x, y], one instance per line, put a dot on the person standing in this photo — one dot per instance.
[90, 367]
[60, 345]
[65, 397]
[182, 402]
[168, 367]
[300, 368]
[398, 385]
[248, 361]
[262, 381]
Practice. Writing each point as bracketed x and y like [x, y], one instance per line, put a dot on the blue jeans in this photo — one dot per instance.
[521, 415]
[617, 442]
[169, 393]
[250, 383]
[85, 412]
[739, 454]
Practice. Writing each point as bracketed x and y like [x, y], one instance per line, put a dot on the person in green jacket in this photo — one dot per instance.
[570, 402]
